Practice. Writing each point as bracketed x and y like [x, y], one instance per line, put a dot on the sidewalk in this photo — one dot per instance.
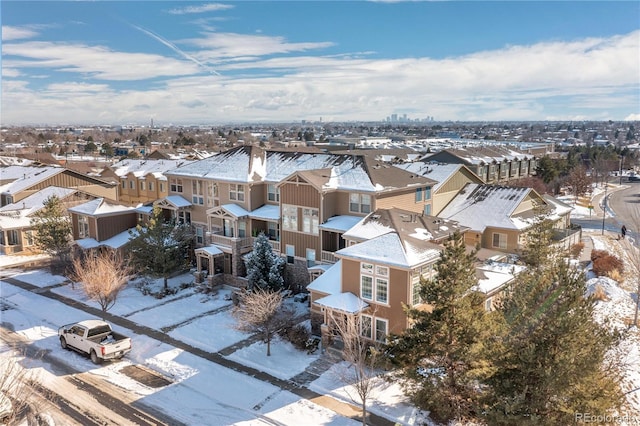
[296, 385]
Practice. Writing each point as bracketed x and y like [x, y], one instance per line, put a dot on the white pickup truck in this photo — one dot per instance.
[94, 338]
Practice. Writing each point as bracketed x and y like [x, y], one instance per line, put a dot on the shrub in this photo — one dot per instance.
[605, 265]
[298, 335]
[576, 249]
[599, 293]
[596, 254]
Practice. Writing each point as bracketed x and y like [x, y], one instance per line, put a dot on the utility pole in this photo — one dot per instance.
[604, 205]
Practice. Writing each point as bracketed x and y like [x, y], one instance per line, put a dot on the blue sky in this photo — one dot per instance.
[107, 62]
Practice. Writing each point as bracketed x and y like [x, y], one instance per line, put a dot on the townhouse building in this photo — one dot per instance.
[379, 271]
[140, 181]
[303, 201]
[492, 163]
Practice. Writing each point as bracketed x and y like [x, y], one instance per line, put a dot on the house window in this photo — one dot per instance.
[311, 257]
[150, 186]
[418, 195]
[499, 240]
[197, 192]
[427, 209]
[199, 235]
[176, 185]
[273, 193]
[289, 217]
[291, 253]
[28, 235]
[366, 287]
[83, 226]
[12, 237]
[381, 329]
[382, 286]
[184, 217]
[310, 221]
[360, 203]
[427, 193]
[242, 229]
[124, 184]
[132, 184]
[366, 326]
[373, 273]
[212, 193]
[415, 289]
[488, 304]
[236, 192]
[1, 238]
[272, 230]
[141, 185]
[161, 187]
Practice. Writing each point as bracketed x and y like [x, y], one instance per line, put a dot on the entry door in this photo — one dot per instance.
[228, 227]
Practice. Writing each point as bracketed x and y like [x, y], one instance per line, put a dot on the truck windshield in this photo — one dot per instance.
[102, 329]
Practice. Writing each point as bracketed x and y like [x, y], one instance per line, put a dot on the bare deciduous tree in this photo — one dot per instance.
[261, 311]
[362, 355]
[102, 276]
[15, 387]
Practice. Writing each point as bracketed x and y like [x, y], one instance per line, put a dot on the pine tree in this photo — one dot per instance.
[438, 354]
[161, 247]
[52, 228]
[264, 268]
[549, 356]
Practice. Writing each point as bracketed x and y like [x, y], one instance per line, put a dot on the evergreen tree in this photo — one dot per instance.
[264, 267]
[538, 249]
[438, 354]
[52, 228]
[161, 247]
[549, 356]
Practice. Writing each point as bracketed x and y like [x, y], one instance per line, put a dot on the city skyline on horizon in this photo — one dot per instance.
[285, 62]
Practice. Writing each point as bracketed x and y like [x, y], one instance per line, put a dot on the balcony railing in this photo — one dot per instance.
[219, 239]
[328, 257]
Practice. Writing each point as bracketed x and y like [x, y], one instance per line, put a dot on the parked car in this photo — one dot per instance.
[94, 338]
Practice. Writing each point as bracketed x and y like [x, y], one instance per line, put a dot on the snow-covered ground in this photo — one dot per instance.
[202, 392]
[619, 308]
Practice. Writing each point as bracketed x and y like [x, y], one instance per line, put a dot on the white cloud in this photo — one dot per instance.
[231, 45]
[590, 78]
[10, 72]
[633, 117]
[17, 33]
[211, 7]
[94, 61]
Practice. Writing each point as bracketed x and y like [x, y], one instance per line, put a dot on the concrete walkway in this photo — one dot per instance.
[297, 386]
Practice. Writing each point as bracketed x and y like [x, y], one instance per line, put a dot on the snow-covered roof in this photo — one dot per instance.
[366, 229]
[235, 210]
[141, 168]
[439, 172]
[390, 250]
[25, 177]
[494, 275]
[114, 242]
[18, 215]
[233, 165]
[100, 207]
[340, 223]
[330, 282]
[178, 201]
[210, 250]
[267, 212]
[345, 302]
[481, 206]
